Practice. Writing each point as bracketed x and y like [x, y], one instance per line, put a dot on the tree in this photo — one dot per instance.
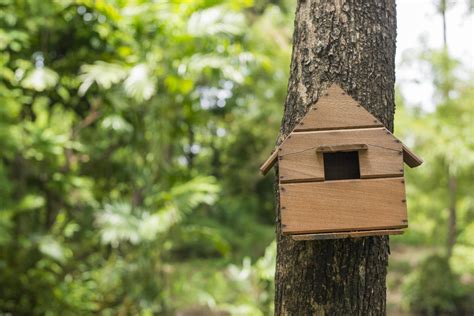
[353, 44]
[445, 89]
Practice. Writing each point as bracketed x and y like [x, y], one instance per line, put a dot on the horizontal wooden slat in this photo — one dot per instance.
[298, 159]
[341, 148]
[354, 234]
[337, 110]
[301, 180]
[345, 205]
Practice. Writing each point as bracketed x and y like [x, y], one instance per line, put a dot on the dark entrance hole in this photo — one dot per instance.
[341, 165]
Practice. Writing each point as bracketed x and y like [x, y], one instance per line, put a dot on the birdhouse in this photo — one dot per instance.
[341, 173]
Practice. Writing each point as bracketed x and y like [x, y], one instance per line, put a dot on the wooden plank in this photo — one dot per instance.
[268, 164]
[298, 159]
[353, 234]
[301, 180]
[336, 110]
[341, 148]
[410, 158]
[345, 205]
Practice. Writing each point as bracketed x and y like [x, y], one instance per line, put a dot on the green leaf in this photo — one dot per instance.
[40, 79]
[31, 201]
[117, 223]
[116, 123]
[52, 248]
[140, 83]
[102, 73]
[216, 20]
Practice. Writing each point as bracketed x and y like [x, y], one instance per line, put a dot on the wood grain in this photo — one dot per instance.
[344, 205]
[353, 234]
[341, 148]
[336, 110]
[410, 158]
[298, 159]
[268, 164]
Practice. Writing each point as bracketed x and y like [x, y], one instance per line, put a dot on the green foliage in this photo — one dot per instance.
[131, 132]
[242, 288]
[434, 289]
[444, 139]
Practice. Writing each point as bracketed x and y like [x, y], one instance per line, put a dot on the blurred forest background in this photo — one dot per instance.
[131, 135]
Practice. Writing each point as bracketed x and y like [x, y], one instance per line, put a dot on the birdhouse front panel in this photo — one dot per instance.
[346, 205]
[303, 155]
[341, 173]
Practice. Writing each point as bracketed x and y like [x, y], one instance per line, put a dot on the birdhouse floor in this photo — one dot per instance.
[353, 234]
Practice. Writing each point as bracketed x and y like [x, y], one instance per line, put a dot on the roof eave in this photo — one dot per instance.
[268, 164]
[410, 158]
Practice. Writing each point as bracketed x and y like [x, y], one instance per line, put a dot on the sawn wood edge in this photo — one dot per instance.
[352, 234]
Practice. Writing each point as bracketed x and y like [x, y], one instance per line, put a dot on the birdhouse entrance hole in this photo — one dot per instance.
[341, 165]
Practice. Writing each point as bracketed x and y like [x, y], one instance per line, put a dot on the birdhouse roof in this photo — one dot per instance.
[336, 110]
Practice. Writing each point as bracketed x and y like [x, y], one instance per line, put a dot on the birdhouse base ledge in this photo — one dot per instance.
[352, 234]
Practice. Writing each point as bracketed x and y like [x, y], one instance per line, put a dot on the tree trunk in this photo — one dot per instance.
[351, 43]
[452, 183]
[452, 225]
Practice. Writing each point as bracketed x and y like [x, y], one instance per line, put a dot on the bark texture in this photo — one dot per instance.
[351, 43]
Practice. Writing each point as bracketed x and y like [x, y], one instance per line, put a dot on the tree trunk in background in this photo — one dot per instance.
[452, 225]
[351, 43]
[452, 182]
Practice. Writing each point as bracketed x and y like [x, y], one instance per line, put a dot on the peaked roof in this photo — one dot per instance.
[338, 110]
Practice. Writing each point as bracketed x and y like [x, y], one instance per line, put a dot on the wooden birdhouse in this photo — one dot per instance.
[341, 173]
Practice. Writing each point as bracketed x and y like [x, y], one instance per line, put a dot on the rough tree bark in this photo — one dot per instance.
[351, 43]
